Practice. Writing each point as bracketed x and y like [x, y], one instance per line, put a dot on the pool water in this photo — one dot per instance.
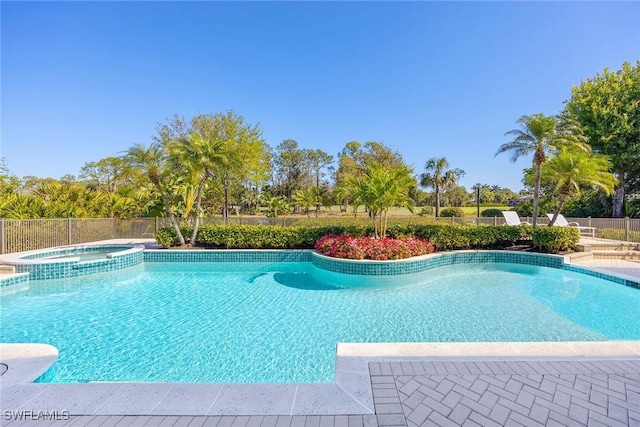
[280, 322]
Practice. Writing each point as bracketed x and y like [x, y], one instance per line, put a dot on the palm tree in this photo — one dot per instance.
[200, 157]
[152, 160]
[439, 178]
[306, 198]
[379, 189]
[275, 205]
[570, 170]
[542, 135]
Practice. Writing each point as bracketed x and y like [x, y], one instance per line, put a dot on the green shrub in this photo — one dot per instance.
[427, 211]
[443, 236]
[555, 239]
[167, 237]
[449, 212]
[489, 213]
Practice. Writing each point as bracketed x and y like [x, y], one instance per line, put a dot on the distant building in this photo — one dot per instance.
[515, 202]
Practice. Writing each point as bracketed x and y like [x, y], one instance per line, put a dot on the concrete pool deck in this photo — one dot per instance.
[404, 384]
[376, 384]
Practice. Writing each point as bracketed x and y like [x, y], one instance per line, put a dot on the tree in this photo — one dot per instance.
[439, 178]
[318, 160]
[9, 183]
[541, 135]
[215, 150]
[608, 109]
[569, 171]
[306, 198]
[381, 188]
[245, 151]
[288, 161]
[355, 158]
[153, 162]
[107, 174]
[275, 205]
[199, 156]
[456, 196]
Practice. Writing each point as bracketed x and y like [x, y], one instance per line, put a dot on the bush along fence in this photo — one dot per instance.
[18, 235]
[442, 236]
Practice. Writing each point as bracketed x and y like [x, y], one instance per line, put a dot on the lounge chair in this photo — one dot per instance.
[561, 221]
[512, 218]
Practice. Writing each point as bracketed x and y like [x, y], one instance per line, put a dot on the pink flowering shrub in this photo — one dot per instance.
[369, 248]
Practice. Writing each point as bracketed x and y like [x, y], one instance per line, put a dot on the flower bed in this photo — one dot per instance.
[369, 248]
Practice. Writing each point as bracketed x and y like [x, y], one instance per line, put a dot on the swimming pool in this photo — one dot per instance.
[280, 321]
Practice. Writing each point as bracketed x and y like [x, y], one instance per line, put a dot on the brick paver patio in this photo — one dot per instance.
[502, 393]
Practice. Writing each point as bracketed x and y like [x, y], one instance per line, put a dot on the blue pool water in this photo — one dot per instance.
[280, 322]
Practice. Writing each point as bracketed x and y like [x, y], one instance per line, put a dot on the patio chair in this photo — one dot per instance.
[561, 221]
[512, 218]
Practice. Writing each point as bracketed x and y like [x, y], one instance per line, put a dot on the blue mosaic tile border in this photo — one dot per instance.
[13, 280]
[386, 268]
[61, 269]
[601, 275]
[225, 255]
[77, 250]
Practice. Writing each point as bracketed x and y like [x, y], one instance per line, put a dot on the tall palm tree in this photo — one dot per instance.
[542, 135]
[152, 160]
[439, 178]
[570, 170]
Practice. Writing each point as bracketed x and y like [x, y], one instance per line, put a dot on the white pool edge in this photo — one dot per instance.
[349, 394]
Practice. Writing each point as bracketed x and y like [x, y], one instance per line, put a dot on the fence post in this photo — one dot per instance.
[589, 221]
[68, 231]
[495, 220]
[2, 237]
[627, 229]
[115, 228]
[156, 225]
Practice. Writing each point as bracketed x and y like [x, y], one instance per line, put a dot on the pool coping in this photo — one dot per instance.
[350, 394]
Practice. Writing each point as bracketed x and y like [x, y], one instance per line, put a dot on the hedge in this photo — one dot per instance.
[555, 239]
[443, 236]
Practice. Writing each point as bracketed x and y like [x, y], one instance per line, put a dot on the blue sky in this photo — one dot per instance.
[83, 81]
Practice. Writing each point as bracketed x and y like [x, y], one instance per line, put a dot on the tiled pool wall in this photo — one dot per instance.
[620, 280]
[426, 262]
[15, 281]
[227, 255]
[123, 257]
[379, 268]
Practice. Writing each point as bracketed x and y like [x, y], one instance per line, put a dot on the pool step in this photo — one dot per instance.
[7, 269]
[606, 246]
[580, 256]
[632, 255]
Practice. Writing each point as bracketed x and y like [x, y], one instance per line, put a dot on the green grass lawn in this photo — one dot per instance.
[399, 212]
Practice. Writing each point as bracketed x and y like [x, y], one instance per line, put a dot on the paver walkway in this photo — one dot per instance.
[502, 393]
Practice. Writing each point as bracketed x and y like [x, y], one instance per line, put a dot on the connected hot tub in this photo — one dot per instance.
[70, 261]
